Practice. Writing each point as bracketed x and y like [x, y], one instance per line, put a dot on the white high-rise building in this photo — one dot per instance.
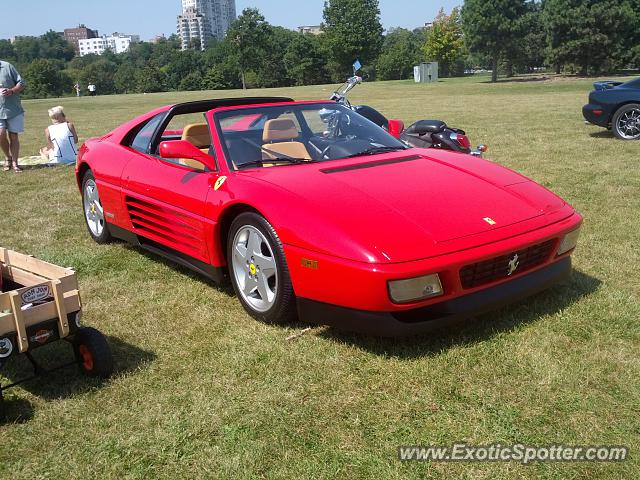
[202, 20]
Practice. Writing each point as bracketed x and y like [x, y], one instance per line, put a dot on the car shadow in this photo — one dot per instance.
[475, 329]
[603, 134]
[63, 382]
[225, 288]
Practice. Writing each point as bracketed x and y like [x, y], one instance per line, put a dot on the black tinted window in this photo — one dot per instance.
[143, 138]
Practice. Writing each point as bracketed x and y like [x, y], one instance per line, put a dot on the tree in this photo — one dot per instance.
[54, 46]
[7, 52]
[304, 61]
[445, 44]
[101, 73]
[352, 31]
[124, 79]
[248, 34]
[532, 46]
[632, 38]
[588, 34]
[151, 79]
[27, 49]
[44, 79]
[177, 66]
[191, 82]
[221, 69]
[491, 25]
[401, 51]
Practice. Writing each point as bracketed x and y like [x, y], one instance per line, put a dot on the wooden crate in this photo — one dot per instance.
[38, 280]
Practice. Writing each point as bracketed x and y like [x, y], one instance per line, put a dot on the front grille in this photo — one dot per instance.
[494, 269]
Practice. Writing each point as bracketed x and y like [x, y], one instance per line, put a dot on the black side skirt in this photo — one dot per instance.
[217, 274]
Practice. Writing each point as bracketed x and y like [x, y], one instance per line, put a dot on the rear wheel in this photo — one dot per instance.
[93, 210]
[258, 269]
[93, 353]
[626, 122]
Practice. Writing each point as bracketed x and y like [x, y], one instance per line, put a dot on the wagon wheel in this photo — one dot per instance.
[93, 210]
[626, 122]
[93, 353]
[258, 269]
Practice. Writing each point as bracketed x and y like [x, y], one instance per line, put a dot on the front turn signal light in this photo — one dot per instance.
[569, 241]
[414, 289]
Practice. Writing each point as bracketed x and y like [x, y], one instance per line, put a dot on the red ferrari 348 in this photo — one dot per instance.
[311, 210]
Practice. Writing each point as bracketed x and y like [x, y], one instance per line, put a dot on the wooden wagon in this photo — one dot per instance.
[40, 304]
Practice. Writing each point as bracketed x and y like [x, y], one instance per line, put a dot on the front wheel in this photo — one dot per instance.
[258, 269]
[626, 122]
[93, 211]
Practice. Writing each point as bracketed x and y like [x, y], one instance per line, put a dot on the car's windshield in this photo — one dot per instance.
[299, 133]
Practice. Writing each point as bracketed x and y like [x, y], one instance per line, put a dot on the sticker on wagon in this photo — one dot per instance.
[42, 336]
[36, 294]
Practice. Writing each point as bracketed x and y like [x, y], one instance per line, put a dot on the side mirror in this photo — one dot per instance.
[181, 149]
[396, 127]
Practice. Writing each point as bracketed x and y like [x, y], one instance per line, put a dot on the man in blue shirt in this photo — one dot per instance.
[11, 114]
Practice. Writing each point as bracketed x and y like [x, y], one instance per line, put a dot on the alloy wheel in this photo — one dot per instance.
[254, 268]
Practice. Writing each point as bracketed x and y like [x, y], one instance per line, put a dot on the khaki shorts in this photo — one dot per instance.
[14, 124]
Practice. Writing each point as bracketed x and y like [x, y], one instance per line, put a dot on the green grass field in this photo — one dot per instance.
[204, 391]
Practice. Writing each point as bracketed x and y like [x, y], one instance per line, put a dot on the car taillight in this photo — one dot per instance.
[597, 112]
[463, 140]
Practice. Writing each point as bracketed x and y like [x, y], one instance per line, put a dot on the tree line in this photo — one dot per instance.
[506, 36]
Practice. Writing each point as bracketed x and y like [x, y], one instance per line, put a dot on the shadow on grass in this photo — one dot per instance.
[520, 80]
[603, 134]
[476, 329]
[224, 288]
[64, 382]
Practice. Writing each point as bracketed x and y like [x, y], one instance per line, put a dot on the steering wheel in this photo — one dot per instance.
[325, 152]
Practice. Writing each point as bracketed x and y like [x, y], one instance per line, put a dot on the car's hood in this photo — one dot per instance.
[400, 207]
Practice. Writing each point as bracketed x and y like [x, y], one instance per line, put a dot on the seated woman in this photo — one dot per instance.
[61, 139]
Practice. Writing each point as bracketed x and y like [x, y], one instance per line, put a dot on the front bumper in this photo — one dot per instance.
[590, 115]
[426, 319]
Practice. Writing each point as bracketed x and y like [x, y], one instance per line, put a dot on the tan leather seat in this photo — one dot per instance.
[197, 134]
[278, 137]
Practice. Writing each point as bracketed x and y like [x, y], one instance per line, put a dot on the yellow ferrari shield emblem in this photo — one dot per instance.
[219, 183]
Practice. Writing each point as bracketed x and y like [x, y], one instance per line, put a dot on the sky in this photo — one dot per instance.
[149, 18]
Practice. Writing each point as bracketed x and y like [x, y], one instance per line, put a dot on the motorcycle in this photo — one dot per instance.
[423, 133]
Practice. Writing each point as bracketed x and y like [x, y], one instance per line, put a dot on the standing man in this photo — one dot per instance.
[11, 114]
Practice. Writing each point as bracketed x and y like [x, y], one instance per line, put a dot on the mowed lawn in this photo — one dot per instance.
[204, 391]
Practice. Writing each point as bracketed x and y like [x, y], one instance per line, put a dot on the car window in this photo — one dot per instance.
[314, 121]
[143, 138]
[243, 122]
[175, 127]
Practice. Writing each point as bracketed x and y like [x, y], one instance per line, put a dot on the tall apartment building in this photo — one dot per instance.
[203, 20]
[74, 35]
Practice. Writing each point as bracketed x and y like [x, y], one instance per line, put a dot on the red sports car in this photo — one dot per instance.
[312, 210]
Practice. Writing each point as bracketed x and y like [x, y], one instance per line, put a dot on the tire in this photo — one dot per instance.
[93, 211]
[258, 270]
[93, 353]
[626, 122]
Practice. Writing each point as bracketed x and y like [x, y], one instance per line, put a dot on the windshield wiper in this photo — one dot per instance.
[283, 160]
[376, 151]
